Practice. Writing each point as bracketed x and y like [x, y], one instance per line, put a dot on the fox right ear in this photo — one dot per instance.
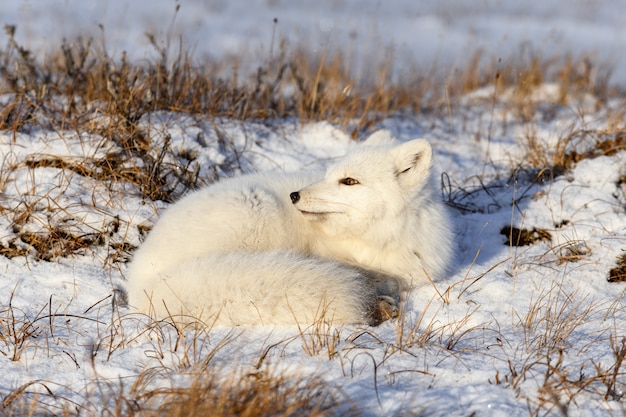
[413, 162]
[380, 137]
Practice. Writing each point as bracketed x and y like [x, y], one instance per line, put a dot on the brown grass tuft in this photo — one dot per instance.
[578, 144]
[252, 395]
[255, 394]
[524, 237]
[618, 272]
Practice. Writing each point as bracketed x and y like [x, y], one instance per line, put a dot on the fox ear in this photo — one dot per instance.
[380, 137]
[413, 162]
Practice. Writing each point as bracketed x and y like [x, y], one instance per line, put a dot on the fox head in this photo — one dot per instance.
[367, 187]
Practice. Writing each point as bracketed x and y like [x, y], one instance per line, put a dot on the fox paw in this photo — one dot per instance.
[385, 308]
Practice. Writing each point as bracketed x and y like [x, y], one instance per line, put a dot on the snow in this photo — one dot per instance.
[476, 342]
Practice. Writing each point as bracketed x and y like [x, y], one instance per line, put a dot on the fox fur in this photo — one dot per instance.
[285, 248]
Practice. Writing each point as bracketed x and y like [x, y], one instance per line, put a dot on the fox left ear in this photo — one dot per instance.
[380, 137]
[413, 162]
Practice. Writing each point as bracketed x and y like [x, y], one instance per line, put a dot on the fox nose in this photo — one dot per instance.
[295, 197]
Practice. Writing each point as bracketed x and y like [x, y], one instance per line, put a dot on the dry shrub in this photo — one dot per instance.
[82, 80]
[252, 395]
[574, 146]
[206, 394]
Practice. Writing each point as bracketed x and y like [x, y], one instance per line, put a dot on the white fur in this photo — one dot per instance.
[239, 252]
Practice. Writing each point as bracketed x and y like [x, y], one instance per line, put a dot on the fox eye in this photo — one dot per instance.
[348, 181]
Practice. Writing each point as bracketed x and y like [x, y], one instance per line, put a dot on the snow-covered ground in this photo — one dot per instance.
[501, 313]
[509, 330]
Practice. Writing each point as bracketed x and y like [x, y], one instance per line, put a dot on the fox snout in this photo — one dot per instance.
[295, 197]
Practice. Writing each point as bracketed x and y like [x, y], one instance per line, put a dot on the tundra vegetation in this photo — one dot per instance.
[107, 111]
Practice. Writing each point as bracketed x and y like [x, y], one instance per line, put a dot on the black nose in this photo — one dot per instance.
[295, 197]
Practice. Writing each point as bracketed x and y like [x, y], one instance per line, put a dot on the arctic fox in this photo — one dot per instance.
[299, 247]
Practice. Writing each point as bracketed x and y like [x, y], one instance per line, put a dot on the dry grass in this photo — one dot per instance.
[17, 330]
[552, 354]
[207, 394]
[194, 386]
[253, 395]
[70, 88]
[574, 146]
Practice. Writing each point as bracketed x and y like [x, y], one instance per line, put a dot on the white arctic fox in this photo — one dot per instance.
[299, 247]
